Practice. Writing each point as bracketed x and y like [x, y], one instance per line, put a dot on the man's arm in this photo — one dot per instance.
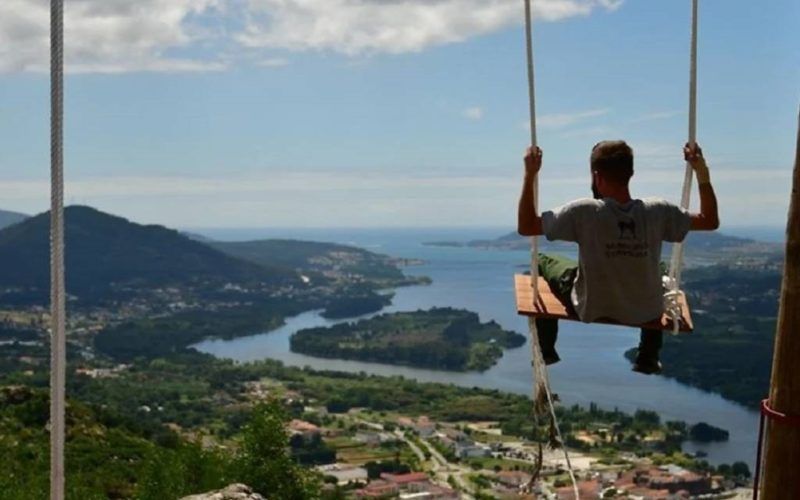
[528, 221]
[708, 218]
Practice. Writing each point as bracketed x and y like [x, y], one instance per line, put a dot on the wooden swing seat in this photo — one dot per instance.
[548, 305]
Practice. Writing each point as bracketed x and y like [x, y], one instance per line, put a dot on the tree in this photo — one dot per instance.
[174, 473]
[648, 419]
[263, 462]
[740, 469]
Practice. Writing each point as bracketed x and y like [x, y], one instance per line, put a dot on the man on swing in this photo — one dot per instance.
[618, 273]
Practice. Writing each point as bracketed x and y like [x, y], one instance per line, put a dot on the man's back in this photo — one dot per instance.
[619, 274]
[620, 244]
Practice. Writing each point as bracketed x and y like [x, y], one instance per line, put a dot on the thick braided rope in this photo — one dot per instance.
[57, 287]
[672, 305]
[541, 382]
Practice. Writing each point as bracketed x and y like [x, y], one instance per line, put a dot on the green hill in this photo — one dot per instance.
[119, 450]
[8, 218]
[334, 261]
[357, 274]
[105, 253]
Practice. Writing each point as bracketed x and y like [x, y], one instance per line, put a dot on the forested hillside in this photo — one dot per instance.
[8, 218]
[105, 253]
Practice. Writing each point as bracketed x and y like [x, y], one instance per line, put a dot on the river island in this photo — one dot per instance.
[440, 338]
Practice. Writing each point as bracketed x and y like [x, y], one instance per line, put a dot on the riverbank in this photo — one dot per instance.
[577, 380]
[593, 368]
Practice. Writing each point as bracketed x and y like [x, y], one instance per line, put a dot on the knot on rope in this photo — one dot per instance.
[672, 302]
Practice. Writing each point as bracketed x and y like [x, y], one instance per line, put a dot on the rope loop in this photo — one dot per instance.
[779, 417]
[672, 303]
[769, 414]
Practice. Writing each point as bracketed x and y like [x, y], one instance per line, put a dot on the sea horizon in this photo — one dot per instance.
[768, 234]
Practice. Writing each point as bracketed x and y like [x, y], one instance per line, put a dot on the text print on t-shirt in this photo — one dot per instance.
[628, 243]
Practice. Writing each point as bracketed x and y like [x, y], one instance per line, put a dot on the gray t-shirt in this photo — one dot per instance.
[619, 245]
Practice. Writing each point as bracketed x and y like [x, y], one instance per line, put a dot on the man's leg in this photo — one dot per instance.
[650, 342]
[548, 334]
[559, 272]
[647, 360]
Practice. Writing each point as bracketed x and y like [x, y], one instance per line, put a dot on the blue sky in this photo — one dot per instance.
[249, 113]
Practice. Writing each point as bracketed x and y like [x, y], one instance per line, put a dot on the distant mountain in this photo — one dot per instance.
[197, 237]
[8, 218]
[698, 242]
[105, 252]
[329, 259]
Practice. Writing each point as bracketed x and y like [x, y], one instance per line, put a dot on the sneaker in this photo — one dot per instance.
[551, 358]
[647, 366]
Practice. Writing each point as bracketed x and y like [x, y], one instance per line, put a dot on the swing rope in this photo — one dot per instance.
[673, 282]
[57, 287]
[543, 404]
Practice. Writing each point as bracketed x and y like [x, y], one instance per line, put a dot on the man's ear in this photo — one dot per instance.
[595, 191]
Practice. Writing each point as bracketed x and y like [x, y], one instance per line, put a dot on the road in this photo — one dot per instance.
[419, 453]
[442, 469]
[446, 469]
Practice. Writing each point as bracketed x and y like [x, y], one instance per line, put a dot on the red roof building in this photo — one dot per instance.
[406, 479]
[378, 489]
[586, 489]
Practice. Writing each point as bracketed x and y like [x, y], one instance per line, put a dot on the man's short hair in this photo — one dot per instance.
[613, 160]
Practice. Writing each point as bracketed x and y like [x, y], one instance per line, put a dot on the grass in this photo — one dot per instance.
[355, 452]
[364, 454]
[505, 464]
[489, 438]
[343, 442]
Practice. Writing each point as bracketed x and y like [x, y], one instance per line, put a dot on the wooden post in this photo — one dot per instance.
[781, 472]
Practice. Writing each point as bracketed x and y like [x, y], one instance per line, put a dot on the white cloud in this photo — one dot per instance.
[302, 184]
[105, 36]
[289, 182]
[272, 62]
[563, 120]
[356, 27]
[474, 113]
[657, 115]
[366, 198]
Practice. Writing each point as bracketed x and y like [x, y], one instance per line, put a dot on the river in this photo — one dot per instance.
[593, 367]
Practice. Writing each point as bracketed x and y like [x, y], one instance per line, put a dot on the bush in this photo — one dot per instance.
[263, 462]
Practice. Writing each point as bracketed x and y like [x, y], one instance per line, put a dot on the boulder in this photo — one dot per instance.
[15, 394]
[232, 492]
